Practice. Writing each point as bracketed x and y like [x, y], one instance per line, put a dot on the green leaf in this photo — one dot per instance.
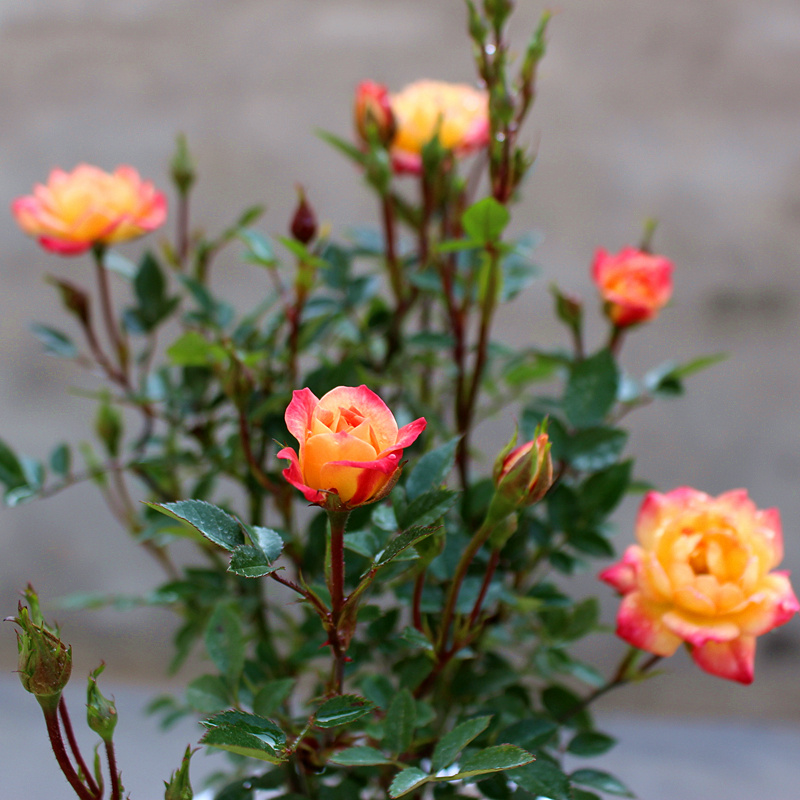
[211, 521]
[529, 733]
[341, 710]
[561, 703]
[255, 560]
[406, 781]
[432, 469]
[259, 248]
[271, 695]
[493, 759]
[667, 379]
[601, 493]
[249, 562]
[225, 641]
[453, 742]
[61, 459]
[542, 779]
[591, 390]
[428, 507]
[399, 723]
[485, 220]
[401, 543]
[246, 735]
[192, 349]
[208, 694]
[361, 756]
[595, 448]
[603, 781]
[55, 343]
[11, 472]
[416, 638]
[590, 743]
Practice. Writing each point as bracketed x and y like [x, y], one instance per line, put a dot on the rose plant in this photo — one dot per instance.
[375, 613]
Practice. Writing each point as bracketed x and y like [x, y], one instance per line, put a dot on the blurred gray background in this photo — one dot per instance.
[688, 111]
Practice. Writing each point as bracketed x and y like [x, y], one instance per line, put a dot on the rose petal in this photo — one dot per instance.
[733, 660]
[294, 476]
[640, 623]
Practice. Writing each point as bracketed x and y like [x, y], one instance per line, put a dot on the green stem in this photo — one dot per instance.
[112, 329]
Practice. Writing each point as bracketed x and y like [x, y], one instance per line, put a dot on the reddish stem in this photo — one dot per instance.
[487, 579]
[112, 768]
[57, 743]
[416, 612]
[73, 745]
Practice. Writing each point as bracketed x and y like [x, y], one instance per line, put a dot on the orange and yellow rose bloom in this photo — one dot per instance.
[350, 445]
[634, 285]
[459, 113]
[702, 575]
[77, 210]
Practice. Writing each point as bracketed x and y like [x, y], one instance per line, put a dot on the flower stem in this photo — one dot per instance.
[108, 310]
[73, 746]
[336, 638]
[112, 768]
[60, 752]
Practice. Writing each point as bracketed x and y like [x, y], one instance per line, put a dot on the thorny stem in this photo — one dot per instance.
[487, 579]
[73, 746]
[338, 521]
[57, 743]
[112, 768]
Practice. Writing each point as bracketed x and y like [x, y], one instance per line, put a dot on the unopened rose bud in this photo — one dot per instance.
[523, 475]
[101, 713]
[182, 167]
[373, 113]
[179, 787]
[304, 221]
[44, 662]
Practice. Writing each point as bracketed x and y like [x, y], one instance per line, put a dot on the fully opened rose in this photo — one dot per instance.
[457, 112]
[350, 445]
[87, 207]
[634, 285]
[701, 574]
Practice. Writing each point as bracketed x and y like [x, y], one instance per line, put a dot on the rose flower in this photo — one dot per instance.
[350, 445]
[458, 112]
[634, 285]
[700, 575]
[77, 210]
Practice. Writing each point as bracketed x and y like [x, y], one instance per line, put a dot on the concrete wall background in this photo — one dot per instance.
[686, 111]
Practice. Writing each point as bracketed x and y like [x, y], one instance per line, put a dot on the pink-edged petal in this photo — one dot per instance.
[622, 575]
[775, 604]
[327, 449]
[62, 247]
[697, 630]
[732, 660]
[356, 483]
[405, 163]
[771, 530]
[408, 434]
[294, 476]
[299, 413]
[639, 623]
[369, 405]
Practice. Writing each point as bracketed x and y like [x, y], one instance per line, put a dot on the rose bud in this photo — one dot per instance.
[457, 113]
[523, 474]
[350, 446]
[373, 113]
[101, 713]
[88, 207]
[701, 576]
[44, 661]
[304, 222]
[635, 285]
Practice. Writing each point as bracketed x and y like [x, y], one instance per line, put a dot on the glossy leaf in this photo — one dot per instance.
[211, 521]
[485, 221]
[590, 743]
[542, 778]
[432, 470]
[401, 543]
[245, 735]
[602, 781]
[399, 723]
[406, 781]
[454, 741]
[428, 507]
[591, 390]
[361, 756]
[341, 710]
